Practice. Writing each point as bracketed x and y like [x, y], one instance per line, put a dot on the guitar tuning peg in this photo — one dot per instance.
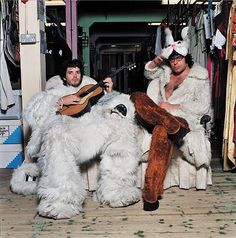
[132, 67]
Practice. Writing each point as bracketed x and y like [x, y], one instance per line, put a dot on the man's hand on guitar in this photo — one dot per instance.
[108, 84]
[71, 99]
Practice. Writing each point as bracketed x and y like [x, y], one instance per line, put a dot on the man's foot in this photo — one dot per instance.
[147, 206]
[179, 136]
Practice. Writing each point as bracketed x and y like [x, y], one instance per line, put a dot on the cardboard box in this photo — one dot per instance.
[11, 156]
[11, 132]
[15, 111]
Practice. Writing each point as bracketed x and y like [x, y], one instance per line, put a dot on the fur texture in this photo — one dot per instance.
[195, 97]
[180, 47]
[190, 164]
[160, 154]
[161, 146]
[64, 143]
[29, 173]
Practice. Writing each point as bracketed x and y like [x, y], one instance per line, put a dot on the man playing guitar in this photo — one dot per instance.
[72, 74]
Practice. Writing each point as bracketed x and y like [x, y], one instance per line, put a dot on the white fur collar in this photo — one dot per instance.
[198, 72]
[54, 82]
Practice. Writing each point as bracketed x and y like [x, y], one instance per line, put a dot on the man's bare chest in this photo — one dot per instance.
[172, 85]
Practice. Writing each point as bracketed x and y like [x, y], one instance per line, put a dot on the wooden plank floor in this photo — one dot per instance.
[182, 213]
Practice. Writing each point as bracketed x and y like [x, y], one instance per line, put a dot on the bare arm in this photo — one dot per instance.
[168, 106]
[156, 62]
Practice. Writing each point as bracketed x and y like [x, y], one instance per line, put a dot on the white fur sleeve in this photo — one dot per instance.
[153, 90]
[151, 74]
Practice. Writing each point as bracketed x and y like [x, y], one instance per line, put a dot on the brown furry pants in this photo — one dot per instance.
[161, 148]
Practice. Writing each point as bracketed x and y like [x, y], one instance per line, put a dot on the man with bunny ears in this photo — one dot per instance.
[178, 95]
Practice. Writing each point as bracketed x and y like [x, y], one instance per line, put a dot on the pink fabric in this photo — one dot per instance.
[209, 68]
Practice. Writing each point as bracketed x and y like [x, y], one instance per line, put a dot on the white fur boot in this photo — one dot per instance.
[25, 179]
[117, 183]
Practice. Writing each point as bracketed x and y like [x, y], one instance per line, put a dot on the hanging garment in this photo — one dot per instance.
[220, 64]
[6, 92]
[158, 46]
[222, 17]
[10, 31]
[228, 145]
[197, 45]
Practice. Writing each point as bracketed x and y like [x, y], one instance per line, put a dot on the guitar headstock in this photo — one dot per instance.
[129, 66]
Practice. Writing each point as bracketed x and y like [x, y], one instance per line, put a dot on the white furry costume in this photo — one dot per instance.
[62, 143]
[194, 96]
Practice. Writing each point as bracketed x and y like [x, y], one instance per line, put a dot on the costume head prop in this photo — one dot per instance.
[180, 47]
[116, 105]
[120, 110]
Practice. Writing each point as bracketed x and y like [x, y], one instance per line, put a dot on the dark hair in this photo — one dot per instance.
[71, 63]
[188, 58]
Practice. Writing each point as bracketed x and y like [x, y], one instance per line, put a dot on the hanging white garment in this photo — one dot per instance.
[6, 92]
[158, 46]
[197, 46]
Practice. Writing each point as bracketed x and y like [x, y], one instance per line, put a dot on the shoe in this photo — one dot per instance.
[178, 138]
[147, 206]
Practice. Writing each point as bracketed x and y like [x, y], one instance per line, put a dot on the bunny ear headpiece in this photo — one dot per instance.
[181, 47]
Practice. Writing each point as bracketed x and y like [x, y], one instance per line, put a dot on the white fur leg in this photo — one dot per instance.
[25, 179]
[117, 186]
[61, 189]
[62, 196]
[34, 144]
[197, 149]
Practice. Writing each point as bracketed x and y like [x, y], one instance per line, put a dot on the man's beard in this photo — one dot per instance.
[178, 72]
[75, 85]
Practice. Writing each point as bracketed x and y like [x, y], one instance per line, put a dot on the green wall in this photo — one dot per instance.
[86, 20]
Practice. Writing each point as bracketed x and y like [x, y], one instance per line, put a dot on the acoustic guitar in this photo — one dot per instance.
[89, 95]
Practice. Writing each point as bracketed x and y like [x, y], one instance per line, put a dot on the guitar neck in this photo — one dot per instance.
[95, 86]
[116, 72]
[101, 83]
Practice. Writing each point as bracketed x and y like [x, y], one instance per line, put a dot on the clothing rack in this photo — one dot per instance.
[179, 15]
